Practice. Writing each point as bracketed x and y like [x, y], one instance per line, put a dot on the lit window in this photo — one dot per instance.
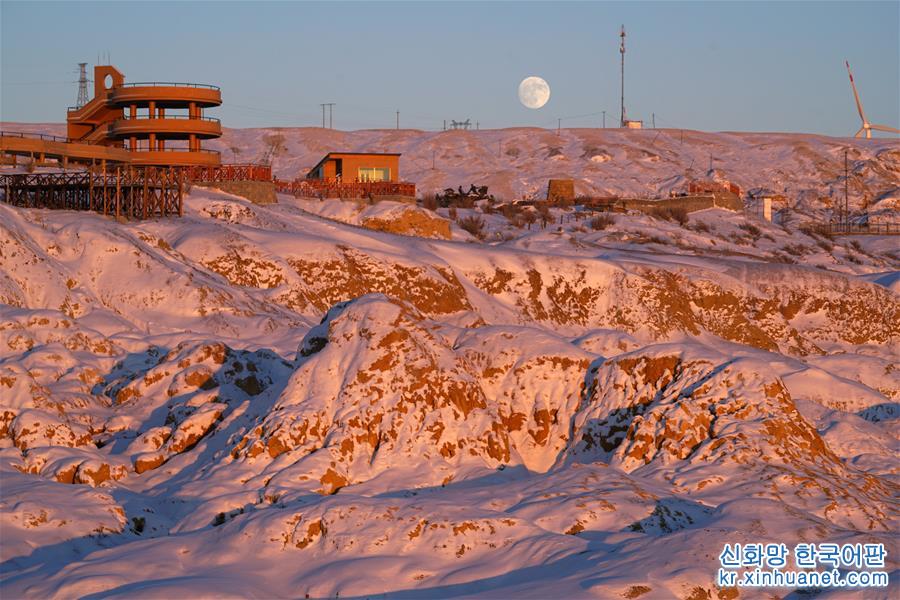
[374, 174]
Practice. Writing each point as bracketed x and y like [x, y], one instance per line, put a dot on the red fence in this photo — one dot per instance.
[323, 188]
[201, 174]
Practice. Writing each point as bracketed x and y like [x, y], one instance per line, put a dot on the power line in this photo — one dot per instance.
[38, 82]
[266, 110]
[376, 108]
[593, 114]
[570, 117]
[307, 116]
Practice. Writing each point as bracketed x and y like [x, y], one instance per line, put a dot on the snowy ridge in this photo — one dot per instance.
[518, 161]
[258, 402]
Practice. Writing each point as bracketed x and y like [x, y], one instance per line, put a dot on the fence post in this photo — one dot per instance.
[144, 199]
[118, 190]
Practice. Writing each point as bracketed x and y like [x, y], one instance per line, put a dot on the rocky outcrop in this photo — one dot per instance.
[427, 396]
[691, 412]
[407, 220]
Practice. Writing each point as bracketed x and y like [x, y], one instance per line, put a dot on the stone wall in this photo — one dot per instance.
[689, 203]
[258, 192]
[561, 191]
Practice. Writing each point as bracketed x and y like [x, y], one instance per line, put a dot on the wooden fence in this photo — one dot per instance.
[211, 174]
[325, 188]
[861, 228]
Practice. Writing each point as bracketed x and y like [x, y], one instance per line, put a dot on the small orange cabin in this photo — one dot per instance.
[357, 166]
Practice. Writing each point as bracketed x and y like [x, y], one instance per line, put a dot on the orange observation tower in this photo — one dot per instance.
[159, 123]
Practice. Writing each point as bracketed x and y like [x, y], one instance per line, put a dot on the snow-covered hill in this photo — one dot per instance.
[261, 401]
[519, 161]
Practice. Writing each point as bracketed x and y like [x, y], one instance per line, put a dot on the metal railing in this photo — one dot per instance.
[40, 136]
[861, 228]
[56, 138]
[170, 84]
[177, 149]
[166, 117]
[47, 137]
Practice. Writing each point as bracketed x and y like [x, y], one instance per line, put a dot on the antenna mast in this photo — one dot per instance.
[622, 52]
[82, 86]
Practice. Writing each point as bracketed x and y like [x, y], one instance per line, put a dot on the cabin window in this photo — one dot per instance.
[374, 174]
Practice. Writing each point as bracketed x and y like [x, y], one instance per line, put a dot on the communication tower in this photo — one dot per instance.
[82, 86]
[622, 52]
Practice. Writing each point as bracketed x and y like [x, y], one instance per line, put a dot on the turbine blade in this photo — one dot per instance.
[885, 128]
[855, 94]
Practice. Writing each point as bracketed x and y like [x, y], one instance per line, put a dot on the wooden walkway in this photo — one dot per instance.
[135, 192]
[41, 147]
[131, 192]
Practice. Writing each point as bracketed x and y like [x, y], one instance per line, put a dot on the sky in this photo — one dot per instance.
[714, 66]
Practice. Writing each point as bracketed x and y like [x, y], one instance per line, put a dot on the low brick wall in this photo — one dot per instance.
[258, 192]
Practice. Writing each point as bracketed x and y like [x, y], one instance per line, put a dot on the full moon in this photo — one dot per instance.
[534, 92]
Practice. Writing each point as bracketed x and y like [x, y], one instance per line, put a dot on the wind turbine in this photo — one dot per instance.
[866, 126]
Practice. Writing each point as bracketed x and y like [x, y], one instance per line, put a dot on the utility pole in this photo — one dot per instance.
[846, 189]
[477, 125]
[330, 114]
[558, 125]
[622, 52]
[398, 119]
[445, 124]
[653, 119]
[604, 119]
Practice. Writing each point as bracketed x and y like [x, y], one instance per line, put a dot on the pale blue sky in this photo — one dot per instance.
[756, 66]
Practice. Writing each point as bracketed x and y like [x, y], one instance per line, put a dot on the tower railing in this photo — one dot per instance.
[126, 117]
[170, 84]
